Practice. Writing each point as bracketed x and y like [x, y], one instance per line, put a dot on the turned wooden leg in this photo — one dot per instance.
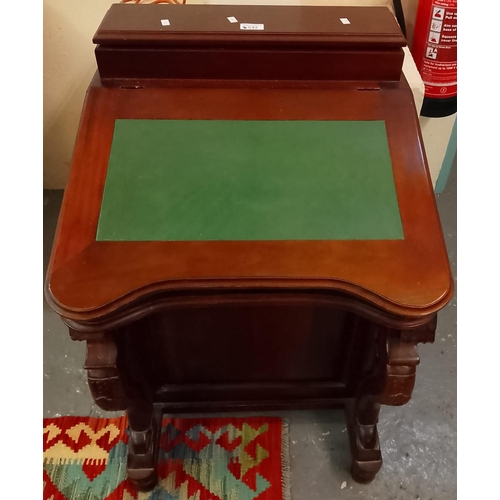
[363, 411]
[120, 384]
[144, 422]
[389, 367]
[144, 427]
[362, 419]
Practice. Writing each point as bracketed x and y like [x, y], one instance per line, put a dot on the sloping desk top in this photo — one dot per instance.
[409, 274]
[131, 226]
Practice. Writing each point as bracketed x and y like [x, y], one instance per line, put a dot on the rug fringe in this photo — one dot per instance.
[71, 460]
[285, 460]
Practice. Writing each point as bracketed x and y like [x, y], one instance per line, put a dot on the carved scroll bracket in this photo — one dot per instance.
[402, 361]
[102, 373]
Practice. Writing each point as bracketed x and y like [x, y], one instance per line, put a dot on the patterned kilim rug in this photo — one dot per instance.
[199, 459]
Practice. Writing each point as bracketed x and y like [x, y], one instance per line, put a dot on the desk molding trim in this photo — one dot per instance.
[81, 328]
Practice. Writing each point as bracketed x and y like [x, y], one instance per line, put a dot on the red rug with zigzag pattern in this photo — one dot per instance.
[199, 459]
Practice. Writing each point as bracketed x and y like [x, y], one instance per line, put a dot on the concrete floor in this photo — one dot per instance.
[418, 440]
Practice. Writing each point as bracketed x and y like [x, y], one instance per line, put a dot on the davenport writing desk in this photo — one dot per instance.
[249, 222]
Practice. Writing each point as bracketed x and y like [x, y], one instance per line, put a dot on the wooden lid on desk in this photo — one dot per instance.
[265, 43]
[272, 25]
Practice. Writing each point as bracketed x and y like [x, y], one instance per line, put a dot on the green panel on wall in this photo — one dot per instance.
[172, 180]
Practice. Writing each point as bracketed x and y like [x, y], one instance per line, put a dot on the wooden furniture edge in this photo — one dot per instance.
[155, 302]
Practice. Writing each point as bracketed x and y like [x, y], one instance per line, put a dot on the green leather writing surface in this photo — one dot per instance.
[172, 180]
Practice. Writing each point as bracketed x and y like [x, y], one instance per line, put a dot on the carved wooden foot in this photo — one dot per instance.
[363, 439]
[143, 447]
[389, 369]
[363, 409]
[118, 384]
[144, 422]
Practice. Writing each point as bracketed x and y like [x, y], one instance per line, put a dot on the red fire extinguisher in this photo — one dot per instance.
[434, 50]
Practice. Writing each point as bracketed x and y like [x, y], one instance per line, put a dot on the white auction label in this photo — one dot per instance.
[250, 26]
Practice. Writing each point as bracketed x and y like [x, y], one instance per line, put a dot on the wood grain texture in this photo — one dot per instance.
[284, 26]
[410, 277]
[184, 326]
[291, 357]
[296, 43]
[240, 64]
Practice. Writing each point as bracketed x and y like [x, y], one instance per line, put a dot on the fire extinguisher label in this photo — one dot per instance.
[439, 65]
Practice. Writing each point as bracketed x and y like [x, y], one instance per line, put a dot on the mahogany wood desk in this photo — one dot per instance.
[249, 222]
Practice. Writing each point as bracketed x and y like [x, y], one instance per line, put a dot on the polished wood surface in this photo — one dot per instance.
[296, 43]
[260, 354]
[409, 277]
[283, 25]
[249, 325]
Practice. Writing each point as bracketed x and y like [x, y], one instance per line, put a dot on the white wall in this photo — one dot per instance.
[69, 64]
